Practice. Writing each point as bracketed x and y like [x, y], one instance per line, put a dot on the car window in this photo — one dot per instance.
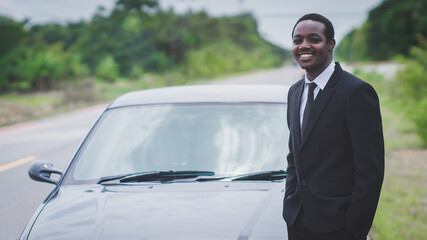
[228, 139]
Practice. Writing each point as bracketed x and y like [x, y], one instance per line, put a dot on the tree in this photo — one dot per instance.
[107, 69]
[390, 30]
[136, 37]
[137, 5]
[12, 33]
[393, 27]
[353, 46]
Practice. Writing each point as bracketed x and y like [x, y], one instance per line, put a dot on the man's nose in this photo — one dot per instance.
[304, 44]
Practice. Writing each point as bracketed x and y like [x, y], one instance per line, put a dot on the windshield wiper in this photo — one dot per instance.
[156, 176]
[261, 176]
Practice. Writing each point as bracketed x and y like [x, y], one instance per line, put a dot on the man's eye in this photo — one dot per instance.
[296, 41]
[315, 40]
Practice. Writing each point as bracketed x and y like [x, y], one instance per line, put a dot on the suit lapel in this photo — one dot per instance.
[321, 100]
[296, 111]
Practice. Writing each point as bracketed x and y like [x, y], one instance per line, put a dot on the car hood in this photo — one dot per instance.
[194, 210]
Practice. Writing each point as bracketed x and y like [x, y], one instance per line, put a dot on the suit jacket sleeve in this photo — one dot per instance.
[364, 125]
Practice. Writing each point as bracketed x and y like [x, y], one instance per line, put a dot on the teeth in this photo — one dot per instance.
[306, 55]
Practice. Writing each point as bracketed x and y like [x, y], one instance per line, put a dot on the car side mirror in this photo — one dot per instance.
[42, 171]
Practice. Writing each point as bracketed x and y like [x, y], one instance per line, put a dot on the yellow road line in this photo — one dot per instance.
[17, 163]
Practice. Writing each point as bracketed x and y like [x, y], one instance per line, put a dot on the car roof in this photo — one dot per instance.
[212, 93]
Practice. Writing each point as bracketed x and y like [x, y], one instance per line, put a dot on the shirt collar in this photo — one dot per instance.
[323, 78]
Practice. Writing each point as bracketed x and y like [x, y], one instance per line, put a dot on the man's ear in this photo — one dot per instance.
[331, 45]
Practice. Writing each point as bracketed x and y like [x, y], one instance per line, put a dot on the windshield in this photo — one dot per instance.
[228, 139]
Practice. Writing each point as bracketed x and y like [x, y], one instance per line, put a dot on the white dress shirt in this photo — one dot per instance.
[320, 81]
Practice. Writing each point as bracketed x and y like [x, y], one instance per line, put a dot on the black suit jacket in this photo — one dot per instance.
[336, 168]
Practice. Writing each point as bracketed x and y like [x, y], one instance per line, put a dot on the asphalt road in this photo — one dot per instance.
[52, 139]
[55, 139]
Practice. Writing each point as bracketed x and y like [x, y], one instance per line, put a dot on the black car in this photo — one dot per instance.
[187, 162]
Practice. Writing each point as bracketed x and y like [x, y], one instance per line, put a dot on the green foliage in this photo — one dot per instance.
[107, 69]
[226, 57]
[135, 38]
[390, 30]
[136, 72]
[12, 33]
[399, 131]
[39, 69]
[393, 27]
[137, 5]
[353, 47]
[411, 88]
[162, 41]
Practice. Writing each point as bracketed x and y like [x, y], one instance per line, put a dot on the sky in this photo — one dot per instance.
[276, 18]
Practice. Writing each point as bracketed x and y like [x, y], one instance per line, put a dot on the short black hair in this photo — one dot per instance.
[329, 29]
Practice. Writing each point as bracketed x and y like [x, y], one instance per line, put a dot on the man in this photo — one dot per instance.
[336, 146]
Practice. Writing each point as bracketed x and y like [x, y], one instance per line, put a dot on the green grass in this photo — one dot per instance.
[399, 132]
[402, 210]
[16, 108]
[31, 100]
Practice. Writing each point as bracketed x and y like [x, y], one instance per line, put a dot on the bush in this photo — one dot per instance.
[411, 88]
[42, 68]
[227, 57]
[107, 69]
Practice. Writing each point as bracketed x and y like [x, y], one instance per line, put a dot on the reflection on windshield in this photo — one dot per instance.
[224, 138]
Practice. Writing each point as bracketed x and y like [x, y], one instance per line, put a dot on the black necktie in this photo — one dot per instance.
[309, 105]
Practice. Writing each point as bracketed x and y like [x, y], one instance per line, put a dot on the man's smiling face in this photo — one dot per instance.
[310, 47]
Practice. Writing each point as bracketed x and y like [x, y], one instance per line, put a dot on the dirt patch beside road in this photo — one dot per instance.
[409, 159]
